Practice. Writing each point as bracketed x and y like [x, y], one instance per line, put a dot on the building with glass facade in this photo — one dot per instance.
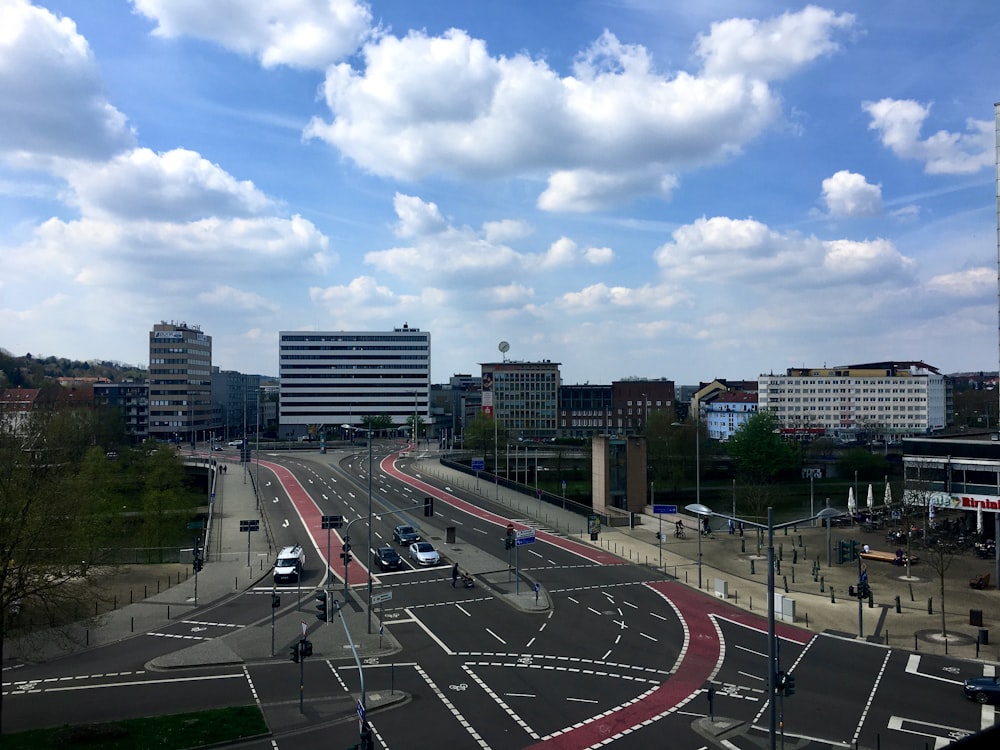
[180, 383]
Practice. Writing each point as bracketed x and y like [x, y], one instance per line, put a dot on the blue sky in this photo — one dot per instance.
[651, 189]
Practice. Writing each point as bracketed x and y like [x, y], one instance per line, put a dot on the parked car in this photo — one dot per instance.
[405, 535]
[982, 689]
[423, 553]
[388, 559]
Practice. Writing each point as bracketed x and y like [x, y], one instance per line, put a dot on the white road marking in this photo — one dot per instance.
[133, 683]
[581, 700]
[496, 636]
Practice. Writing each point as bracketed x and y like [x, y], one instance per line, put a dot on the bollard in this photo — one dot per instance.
[785, 579]
[915, 642]
[930, 605]
[95, 609]
[753, 570]
[145, 592]
[88, 637]
[781, 552]
[743, 545]
[168, 611]
[887, 638]
[822, 584]
[130, 596]
[899, 608]
[751, 602]
[871, 601]
[132, 627]
[793, 575]
[116, 602]
[911, 593]
[777, 567]
[807, 620]
[795, 556]
[800, 540]
[833, 599]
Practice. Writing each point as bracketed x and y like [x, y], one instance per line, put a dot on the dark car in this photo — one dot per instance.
[982, 689]
[388, 559]
[405, 535]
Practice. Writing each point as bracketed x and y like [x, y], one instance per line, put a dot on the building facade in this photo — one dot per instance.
[634, 400]
[882, 400]
[132, 400]
[180, 383]
[523, 396]
[584, 410]
[236, 397]
[724, 412]
[331, 378]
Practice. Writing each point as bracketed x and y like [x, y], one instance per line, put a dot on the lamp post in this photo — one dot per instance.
[772, 645]
[368, 432]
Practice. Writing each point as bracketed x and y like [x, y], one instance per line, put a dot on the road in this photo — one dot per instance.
[612, 652]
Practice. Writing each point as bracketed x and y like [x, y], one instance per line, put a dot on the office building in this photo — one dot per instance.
[524, 396]
[180, 383]
[236, 397]
[331, 378]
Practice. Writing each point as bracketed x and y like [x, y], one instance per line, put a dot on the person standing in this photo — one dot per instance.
[454, 575]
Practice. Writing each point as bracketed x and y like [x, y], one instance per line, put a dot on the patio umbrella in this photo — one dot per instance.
[979, 519]
[871, 498]
[852, 505]
[888, 494]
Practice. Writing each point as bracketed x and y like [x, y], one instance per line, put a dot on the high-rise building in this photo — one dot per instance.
[331, 378]
[180, 382]
[236, 396]
[523, 395]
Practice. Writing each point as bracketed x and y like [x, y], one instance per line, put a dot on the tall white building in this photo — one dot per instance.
[881, 399]
[331, 378]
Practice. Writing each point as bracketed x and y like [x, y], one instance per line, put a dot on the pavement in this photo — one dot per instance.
[731, 568]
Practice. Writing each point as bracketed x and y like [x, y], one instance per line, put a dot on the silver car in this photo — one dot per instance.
[423, 553]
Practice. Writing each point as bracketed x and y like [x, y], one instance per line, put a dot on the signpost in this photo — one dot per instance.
[521, 536]
[249, 526]
[330, 522]
[660, 510]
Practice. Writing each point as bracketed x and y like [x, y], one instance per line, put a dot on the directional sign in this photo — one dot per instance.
[383, 597]
[478, 464]
[332, 522]
[253, 525]
[669, 510]
[524, 536]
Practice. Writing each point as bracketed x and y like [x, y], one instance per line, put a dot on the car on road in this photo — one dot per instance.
[288, 566]
[982, 689]
[235, 443]
[388, 559]
[405, 535]
[423, 553]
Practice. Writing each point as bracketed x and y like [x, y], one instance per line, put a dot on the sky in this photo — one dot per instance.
[631, 188]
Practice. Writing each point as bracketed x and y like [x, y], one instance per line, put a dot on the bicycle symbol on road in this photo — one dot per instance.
[371, 660]
[459, 687]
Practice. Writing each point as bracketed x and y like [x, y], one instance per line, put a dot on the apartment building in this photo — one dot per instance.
[131, 399]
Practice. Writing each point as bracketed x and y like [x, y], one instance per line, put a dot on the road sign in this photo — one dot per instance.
[383, 597]
[196, 524]
[361, 711]
[524, 536]
[478, 464]
[669, 510]
[253, 525]
[332, 522]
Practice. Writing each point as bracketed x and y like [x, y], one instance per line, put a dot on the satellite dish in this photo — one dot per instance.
[504, 347]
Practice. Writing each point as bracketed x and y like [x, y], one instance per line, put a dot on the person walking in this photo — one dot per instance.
[454, 575]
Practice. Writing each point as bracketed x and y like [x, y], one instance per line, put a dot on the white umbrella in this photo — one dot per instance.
[871, 498]
[852, 505]
[979, 519]
[888, 494]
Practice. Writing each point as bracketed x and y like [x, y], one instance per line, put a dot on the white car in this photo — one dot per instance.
[235, 443]
[423, 553]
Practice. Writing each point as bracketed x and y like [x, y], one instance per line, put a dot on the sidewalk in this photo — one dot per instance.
[733, 568]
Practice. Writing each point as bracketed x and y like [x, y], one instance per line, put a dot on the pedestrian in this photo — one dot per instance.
[706, 527]
[732, 527]
[741, 528]
[454, 575]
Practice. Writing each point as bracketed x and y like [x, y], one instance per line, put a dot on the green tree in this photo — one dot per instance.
[483, 436]
[870, 466]
[377, 423]
[760, 452]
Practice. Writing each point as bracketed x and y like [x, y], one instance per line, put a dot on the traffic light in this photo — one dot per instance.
[789, 684]
[428, 505]
[295, 653]
[307, 648]
[198, 563]
[508, 542]
[346, 554]
[367, 743]
[659, 536]
[321, 611]
[275, 601]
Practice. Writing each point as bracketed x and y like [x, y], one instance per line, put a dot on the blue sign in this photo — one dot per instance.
[361, 711]
[478, 464]
[669, 510]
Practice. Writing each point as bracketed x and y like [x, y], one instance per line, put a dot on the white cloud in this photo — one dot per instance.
[599, 256]
[505, 230]
[727, 249]
[52, 99]
[297, 33]
[900, 121]
[773, 49]
[969, 284]
[223, 295]
[847, 194]
[178, 185]
[615, 129]
[416, 217]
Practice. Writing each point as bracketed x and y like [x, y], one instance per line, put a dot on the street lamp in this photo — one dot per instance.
[368, 432]
[772, 646]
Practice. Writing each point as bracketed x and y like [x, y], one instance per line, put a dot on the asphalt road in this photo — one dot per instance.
[612, 652]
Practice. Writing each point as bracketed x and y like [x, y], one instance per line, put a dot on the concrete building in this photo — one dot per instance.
[524, 396]
[878, 401]
[180, 383]
[584, 410]
[132, 400]
[331, 378]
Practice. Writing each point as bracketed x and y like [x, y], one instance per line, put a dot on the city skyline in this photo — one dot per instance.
[686, 193]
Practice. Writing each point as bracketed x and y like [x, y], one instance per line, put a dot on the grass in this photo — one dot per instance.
[172, 732]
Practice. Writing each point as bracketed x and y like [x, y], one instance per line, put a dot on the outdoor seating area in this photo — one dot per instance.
[980, 582]
[895, 558]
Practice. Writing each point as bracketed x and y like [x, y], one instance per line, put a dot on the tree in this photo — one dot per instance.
[760, 452]
[420, 428]
[377, 422]
[483, 435]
